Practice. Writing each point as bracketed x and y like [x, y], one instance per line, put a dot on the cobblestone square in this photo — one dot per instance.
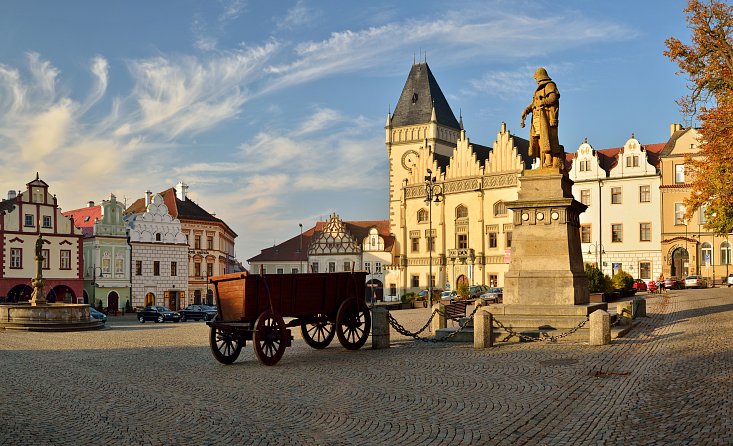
[669, 381]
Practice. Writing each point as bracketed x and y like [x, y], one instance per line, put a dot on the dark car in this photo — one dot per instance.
[197, 312]
[493, 294]
[639, 285]
[476, 290]
[673, 283]
[157, 314]
[98, 315]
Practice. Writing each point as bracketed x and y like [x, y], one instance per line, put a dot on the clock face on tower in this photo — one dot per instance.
[409, 159]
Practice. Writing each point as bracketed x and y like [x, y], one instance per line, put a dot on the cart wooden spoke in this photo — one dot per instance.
[319, 332]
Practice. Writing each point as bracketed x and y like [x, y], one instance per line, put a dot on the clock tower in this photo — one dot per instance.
[422, 123]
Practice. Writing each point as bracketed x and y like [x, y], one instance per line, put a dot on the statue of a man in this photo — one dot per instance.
[545, 107]
[39, 247]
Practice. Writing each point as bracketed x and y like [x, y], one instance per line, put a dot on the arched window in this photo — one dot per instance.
[499, 208]
[422, 216]
[461, 211]
[707, 254]
[725, 253]
[157, 236]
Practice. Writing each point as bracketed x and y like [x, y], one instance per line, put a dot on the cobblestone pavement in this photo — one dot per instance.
[668, 382]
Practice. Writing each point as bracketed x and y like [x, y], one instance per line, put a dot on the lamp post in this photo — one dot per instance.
[94, 284]
[433, 194]
[598, 251]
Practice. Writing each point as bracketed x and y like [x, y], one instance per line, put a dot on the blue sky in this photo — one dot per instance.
[274, 112]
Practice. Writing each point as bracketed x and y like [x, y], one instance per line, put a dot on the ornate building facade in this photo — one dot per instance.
[106, 253]
[159, 255]
[210, 241]
[23, 216]
[467, 232]
[334, 246]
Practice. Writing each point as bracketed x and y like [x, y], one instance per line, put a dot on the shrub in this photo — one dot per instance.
[128, 306]
[99, 305]
[463, 290]
[408, 297]
[597, 281]
[623, 281]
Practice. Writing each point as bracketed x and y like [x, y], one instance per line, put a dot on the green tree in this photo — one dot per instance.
[597, 281]
[707, 61]
[622, 281]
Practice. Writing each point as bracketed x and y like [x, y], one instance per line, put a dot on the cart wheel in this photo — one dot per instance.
[318, 334]
[353, 323]
[224, 345]
[269, 337]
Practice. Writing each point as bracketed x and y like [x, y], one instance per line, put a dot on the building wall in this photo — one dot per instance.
[219, 255]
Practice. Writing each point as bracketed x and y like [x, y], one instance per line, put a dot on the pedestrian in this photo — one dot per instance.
[661, 283]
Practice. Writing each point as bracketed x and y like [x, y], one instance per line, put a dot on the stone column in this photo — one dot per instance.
[639, 308]
[600, 328]
[380, 328]
[439, 320]
[482, 327]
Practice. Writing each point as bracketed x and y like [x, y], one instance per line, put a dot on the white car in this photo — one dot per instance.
[448, 294]
[729, 282]
[695, 282]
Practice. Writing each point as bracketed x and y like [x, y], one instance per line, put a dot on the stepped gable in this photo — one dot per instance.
[420, 93]
[334, 238]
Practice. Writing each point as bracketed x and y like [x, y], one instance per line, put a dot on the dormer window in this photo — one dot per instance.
[157, 237]
[422, 216]
[632, 161]
[414, 98]
[585, 165]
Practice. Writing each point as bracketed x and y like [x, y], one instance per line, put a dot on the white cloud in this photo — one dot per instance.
[296, 16]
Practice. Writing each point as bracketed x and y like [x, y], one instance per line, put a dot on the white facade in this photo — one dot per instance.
[621, 229]
[159, 257]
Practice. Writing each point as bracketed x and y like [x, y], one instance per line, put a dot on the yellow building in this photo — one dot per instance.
[687, 246]
[464, 236]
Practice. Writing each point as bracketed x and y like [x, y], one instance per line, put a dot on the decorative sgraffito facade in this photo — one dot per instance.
[159, 257]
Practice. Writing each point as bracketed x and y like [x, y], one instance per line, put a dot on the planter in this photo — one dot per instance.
[405, 305]
[420, 304]
[597, 298]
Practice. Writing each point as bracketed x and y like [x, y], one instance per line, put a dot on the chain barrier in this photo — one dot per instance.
[546, 338]
[404, 332]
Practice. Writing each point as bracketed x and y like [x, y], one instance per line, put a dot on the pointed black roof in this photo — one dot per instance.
[420, 93]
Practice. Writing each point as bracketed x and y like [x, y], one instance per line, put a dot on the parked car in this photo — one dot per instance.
[157, 314]
[98, 315]
[729, 281]
[448, 295]
[695, 282]
[495, 294]
[197, 312]
[673, 283]
[476, 290]
[639, 285]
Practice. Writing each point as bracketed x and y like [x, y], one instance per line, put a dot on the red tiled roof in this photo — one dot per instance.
[608, 158]
[296, 250]
[84, 218]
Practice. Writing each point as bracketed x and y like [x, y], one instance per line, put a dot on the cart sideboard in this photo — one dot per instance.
[252, 307]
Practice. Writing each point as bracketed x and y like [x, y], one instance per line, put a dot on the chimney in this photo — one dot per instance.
[11, 195]
[181, 190]
[91, 204]
[148, 197]
[673, 128]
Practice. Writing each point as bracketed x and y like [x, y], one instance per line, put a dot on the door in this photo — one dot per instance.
[680, 262]
[113, 301]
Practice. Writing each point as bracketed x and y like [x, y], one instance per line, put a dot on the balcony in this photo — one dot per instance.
[461, 255]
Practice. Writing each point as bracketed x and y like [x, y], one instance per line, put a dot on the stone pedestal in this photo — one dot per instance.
[482, 328]
[545, 289]
[600, 328]
[380, 328]
[439, 320]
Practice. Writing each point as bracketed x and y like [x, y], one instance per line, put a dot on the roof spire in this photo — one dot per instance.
[433, 116]
[460, 119]
[36, 175]
[632, 135]
[585, 140]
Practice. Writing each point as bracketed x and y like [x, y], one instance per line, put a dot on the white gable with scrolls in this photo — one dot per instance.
[632, 161]
[155, 225]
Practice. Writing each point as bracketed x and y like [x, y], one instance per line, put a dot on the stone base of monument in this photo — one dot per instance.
[47, 317]
[539, 321]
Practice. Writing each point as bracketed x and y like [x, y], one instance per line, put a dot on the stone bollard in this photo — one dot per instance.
[600, 328]
[639, 308]
[483, 322]
[623, 312]
[380, 328]
[439, 320]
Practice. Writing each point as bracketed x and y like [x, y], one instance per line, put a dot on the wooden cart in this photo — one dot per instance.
[251, 307]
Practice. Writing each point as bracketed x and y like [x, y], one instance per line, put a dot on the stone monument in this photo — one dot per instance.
[39, 294]
[545, 289]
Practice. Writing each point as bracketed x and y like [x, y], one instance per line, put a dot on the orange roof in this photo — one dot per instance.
[84, 218]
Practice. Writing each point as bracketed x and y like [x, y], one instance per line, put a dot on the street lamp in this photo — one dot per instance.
[433, 194]
[94, 284]
[598, 251]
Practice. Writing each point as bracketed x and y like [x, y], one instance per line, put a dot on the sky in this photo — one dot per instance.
[273, 112]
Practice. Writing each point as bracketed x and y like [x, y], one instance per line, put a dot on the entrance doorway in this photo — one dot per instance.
[20, 293]
[374, 290]
[680, 262]
[149, 299]
[61, 293]
[197, 297]
[113, 302]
